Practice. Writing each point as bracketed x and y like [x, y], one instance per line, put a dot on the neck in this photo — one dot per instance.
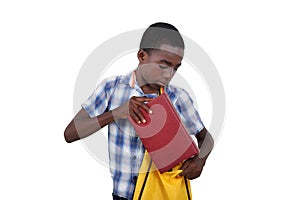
[147, 88]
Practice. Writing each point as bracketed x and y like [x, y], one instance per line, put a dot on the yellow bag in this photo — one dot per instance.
[152, 185]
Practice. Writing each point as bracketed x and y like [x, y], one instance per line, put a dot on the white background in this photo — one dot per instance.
[254, 44]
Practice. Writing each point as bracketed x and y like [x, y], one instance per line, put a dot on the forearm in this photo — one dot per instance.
[82, 125]
[205, 144]
[88, 126]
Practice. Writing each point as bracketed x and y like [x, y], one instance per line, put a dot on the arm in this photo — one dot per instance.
[82, 125]
[192, 168]
[205, 143]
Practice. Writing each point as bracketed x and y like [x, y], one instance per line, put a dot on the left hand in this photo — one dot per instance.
[192, 167]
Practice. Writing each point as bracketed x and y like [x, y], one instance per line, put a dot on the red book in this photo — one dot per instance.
[164, 135]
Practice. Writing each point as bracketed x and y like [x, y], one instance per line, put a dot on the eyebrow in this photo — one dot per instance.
[169, 63]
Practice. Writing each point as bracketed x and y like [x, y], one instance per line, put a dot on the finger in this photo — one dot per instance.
[193, 171]
[143, 99]
[185, 164]
[189, 173]
[139, 102]
[184, 169]
[145, 107]
[185, 173]
[134, 116]
[136, 113]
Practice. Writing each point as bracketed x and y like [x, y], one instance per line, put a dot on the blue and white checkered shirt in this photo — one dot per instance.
[126, 150]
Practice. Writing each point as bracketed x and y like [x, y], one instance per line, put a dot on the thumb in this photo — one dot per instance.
[185, 165]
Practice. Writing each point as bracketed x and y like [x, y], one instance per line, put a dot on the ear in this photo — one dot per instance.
[142, 55]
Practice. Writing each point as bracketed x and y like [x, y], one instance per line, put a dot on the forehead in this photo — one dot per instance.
[171, 49]
[169, 53]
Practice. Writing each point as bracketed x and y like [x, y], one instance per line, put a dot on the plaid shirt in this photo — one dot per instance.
[126, 150]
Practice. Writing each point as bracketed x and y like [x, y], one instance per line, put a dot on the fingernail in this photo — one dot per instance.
[150, 112]
[139, 122]
[144, 121]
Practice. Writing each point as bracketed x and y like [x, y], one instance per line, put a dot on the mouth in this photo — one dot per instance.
[161, 84]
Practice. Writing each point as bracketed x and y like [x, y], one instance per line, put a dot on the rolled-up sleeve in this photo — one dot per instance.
[188, 113]
[98, 102]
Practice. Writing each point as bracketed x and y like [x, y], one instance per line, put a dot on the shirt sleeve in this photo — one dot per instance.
[188, 113]
[98, 102]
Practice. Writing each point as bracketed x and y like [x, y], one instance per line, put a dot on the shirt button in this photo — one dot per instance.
[134, 157]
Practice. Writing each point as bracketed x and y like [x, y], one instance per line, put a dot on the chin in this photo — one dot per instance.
[156, 85]
[161, 84]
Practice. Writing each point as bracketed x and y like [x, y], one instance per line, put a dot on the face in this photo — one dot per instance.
[158, 68]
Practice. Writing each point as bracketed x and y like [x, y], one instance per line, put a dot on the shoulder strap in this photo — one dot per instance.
[187, 188]
[144, 183]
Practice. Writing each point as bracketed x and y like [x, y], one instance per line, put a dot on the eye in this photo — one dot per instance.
[163, 67]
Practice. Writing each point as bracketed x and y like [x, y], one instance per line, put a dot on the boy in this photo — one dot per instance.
[116, 98]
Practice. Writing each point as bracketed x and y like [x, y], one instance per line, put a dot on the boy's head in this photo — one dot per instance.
[160, 55]
[159, 34]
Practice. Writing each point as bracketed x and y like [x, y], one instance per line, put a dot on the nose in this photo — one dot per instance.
[168, 72]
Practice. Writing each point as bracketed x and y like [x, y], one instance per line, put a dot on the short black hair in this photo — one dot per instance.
[161, 33]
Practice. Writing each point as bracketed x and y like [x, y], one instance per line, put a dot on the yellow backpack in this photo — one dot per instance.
[152, 185]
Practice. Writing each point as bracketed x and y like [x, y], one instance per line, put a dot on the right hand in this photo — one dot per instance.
[132, 108]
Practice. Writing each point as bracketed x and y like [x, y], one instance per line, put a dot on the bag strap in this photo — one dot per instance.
[187, 188]
[145, 180]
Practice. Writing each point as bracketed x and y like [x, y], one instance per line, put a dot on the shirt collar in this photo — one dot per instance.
[132, 79]
[133, 84]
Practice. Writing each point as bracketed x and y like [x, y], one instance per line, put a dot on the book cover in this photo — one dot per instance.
[164, 135]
